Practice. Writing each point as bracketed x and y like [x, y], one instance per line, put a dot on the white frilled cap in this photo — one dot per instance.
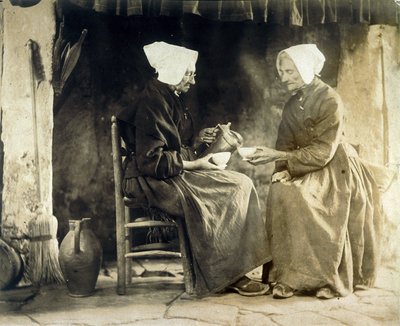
[308, 60]
[170, 61]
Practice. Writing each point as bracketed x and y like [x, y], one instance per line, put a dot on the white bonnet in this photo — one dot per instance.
[307, 58]
[170, 61]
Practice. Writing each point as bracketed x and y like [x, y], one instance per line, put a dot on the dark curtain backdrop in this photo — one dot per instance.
[284, 12]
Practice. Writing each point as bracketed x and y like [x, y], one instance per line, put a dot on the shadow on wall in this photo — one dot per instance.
[236, 82]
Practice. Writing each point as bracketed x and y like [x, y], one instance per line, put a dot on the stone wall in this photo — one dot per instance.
[368, 82]
[20, 189]
[1, 73]
[367, 86]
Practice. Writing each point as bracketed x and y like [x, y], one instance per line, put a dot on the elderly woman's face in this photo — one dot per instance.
[288, 73]
[187, 80]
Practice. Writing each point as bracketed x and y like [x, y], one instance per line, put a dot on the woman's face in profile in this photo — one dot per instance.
[186, 82]
[288, 73]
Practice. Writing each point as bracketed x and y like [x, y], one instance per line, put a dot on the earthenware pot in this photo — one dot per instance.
[80, 258]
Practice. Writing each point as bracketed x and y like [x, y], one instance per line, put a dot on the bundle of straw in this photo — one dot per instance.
[43, 266]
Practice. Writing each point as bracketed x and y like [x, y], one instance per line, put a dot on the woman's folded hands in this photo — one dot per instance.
[281, 176]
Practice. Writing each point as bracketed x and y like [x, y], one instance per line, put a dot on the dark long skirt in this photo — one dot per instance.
[226, 229]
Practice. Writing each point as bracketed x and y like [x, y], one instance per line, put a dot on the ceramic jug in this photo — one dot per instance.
[227, 140]
[80, 258]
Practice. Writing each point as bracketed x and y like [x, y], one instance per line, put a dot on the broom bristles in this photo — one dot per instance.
[43, 265]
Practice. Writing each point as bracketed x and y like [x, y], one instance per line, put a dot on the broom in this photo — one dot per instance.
[42, 265]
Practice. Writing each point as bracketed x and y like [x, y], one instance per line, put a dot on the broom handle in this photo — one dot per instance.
[34, 119]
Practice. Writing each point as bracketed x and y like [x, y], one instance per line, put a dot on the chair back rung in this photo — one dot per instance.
[168, 246]
[154, 254]
[147, 224]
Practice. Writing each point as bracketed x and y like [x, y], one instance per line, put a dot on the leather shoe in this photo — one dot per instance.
[282, 291]
[325, 293]
[249, 288]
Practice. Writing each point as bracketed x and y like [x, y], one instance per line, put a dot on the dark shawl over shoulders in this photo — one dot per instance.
[153, 133]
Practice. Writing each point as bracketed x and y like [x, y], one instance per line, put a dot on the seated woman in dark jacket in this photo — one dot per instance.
[221, 209]
[323, 211]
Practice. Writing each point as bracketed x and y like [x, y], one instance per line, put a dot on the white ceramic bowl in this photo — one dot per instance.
[221, 158]
[246, 151]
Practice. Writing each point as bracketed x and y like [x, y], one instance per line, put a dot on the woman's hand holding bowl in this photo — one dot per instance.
[264, 155]
[244, 152]
[221, 158]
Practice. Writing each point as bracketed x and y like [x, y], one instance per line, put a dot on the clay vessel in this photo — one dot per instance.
[80, 258]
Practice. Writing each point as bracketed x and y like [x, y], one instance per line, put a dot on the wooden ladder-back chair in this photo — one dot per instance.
[130, 214]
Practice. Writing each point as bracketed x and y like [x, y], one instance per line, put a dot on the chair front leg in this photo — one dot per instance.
[120, 228]
[128, 247]
[187, 259]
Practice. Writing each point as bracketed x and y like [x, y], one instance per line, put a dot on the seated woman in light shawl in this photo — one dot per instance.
[225, 226]
[323, 211]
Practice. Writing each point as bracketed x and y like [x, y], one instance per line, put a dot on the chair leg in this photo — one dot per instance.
[120, 228]
[187, 261]
[128, 247]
